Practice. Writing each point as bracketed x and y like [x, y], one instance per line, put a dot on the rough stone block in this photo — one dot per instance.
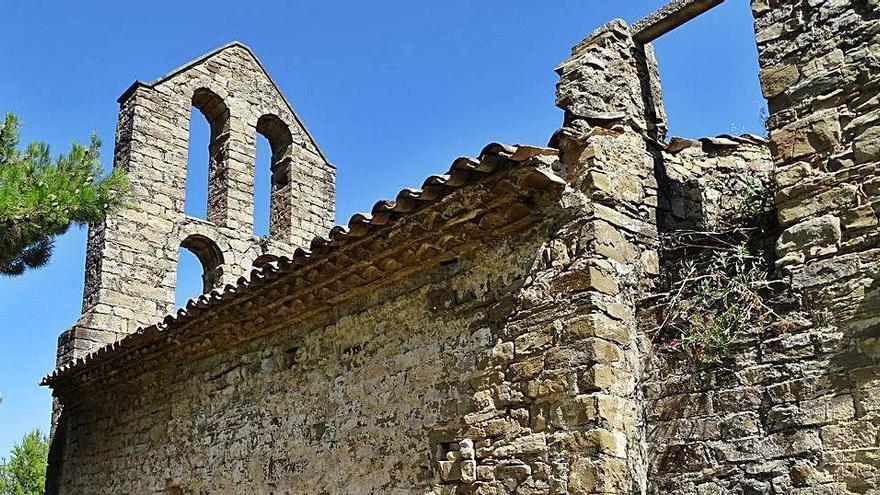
[813, 237]
[778, 79]
[818, 132]
[598, 325]
[604, 475]
[842, 197]
[866, 146]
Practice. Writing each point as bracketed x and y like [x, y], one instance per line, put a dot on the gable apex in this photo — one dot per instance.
[206, 56]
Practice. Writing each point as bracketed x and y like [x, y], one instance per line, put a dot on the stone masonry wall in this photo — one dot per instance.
[820, 71]
[365, 400]
[704, 422]
[504, 372]
[609, 90]
[526, 365]
[793, 408]
[703, 182]
[131, 260]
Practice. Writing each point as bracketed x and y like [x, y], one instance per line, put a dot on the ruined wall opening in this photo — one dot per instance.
[279, 139]
[199, 268]
[206, 159]
[709, 74]
[716, 166]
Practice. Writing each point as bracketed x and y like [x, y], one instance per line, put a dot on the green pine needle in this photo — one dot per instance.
[40, 198]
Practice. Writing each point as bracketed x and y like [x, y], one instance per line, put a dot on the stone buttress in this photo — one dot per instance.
[609, 90]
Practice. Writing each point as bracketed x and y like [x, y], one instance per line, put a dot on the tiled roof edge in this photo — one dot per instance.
[462, 171]
[677, 144]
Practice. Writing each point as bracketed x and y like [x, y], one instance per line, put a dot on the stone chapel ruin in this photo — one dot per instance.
[504, 328]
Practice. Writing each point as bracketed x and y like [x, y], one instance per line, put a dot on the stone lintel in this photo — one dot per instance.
[669, 17]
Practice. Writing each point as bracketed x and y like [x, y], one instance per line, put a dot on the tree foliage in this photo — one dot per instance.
[40, 197]
[24, 473]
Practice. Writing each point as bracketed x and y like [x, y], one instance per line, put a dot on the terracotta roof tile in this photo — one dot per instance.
[677, 144]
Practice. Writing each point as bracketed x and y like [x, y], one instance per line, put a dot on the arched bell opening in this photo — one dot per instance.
[207, 184]
[210, 257]
[280, 140]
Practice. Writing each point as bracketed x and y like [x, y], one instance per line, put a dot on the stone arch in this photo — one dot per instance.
[210, 256]
[216, 112]
[277, 132]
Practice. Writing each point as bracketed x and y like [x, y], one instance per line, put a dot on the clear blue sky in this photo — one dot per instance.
[392, 91]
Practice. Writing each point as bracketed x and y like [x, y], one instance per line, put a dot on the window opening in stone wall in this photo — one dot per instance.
[709, 75]
[278, 136]
[199, 268]
[262, 186]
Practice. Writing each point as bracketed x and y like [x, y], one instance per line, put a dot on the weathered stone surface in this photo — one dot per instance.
[599, 84]
[838, 199]
[816, 133]
[866, 146]
[778, 79]
[131, 260]
[500, 340]
[814, 237]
